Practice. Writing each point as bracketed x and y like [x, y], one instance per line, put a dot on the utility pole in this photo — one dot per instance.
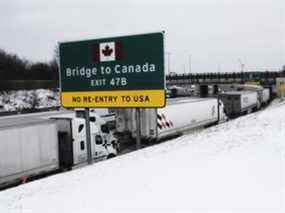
[190, 63]
[219, 68]
[241, 65]
[168, 61]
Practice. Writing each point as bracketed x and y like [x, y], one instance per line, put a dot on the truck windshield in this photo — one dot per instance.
[98, 140]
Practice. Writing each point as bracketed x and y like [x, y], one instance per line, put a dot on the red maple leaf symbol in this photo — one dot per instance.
[107, 51]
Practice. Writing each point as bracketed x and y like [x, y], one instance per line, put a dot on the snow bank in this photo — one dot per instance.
[234, 167]
[27, 99]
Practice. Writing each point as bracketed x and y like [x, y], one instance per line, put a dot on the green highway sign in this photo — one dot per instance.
[125, 71]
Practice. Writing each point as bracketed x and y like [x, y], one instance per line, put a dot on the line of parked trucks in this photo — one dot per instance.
[176, 118]
[181, 115]
[40, 143]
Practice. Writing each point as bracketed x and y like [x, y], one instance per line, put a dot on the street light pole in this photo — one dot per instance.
[168, 61]
[190, 65]
[242, 65]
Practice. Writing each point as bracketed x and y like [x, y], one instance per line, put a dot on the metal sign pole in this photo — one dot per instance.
[218, 98]
[88, 136]
[138, 125]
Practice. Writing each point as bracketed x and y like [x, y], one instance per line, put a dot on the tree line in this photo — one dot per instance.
[13, 67]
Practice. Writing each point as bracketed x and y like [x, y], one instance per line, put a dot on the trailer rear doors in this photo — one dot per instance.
[65, 148]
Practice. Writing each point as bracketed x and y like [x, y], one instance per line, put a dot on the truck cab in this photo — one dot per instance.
[103, 143]
[72, 138]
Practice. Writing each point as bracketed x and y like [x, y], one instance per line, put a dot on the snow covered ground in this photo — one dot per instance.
[26, 99]
[238, 166]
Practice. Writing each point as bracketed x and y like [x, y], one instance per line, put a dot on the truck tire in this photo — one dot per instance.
[248, 111]
[111, 156]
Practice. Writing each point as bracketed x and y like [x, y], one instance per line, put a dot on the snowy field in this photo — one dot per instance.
[26, 99]
[238, 166]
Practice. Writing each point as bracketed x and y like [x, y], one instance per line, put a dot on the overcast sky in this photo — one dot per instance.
[216, 33]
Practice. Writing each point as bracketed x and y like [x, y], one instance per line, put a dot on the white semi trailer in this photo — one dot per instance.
[240, 102]
[36, 144]
[27, 147]
[263, 94]
[175, 119]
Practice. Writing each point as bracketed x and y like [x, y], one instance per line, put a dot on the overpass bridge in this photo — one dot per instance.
[267, 78]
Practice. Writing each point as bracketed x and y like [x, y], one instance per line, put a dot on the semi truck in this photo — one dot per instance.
[175, 119]
[35, 145]
[107, 114]
[263, 94]
[240, 102]
[176, 91]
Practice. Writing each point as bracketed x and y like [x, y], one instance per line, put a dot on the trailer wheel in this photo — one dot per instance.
[111, 156]
[24, 179]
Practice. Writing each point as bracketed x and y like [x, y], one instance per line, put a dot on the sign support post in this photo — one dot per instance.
[88, 136]
[138, 125]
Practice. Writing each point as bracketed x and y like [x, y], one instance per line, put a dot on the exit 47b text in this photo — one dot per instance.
[122, 81]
